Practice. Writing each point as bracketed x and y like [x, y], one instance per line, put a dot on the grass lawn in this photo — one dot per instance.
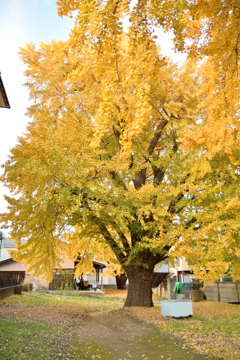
[22, 340]
[43, 326]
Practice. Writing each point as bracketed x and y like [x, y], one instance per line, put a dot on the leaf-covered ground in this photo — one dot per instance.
[214, 328]
[61, 327]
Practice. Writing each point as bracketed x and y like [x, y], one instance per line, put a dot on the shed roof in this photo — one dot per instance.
[98, 264]
[158, 278]
[6, 261]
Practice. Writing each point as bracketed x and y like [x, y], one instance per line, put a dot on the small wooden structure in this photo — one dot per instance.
[10, 278]
[64, 279]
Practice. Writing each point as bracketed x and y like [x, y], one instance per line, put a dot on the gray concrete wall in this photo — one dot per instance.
[8, 291]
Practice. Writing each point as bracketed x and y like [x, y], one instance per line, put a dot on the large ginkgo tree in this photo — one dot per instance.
[105, 165]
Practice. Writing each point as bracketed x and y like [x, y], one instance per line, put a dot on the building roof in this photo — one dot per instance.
[6, 261]
[8, 243]
[98, 264]
[158, 278]
[3, 96]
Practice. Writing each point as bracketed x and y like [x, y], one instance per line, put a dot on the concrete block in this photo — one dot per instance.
[176, 308]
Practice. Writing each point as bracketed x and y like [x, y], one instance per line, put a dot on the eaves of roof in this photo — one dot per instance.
[3, 96]
[6, 261]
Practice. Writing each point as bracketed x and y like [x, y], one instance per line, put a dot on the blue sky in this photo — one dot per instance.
[21, 22]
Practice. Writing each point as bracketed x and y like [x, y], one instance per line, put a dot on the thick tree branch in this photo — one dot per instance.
[104, 231]
[140, 176]
[122, 237]
[157, 136]
[172, 206]
[158, 175]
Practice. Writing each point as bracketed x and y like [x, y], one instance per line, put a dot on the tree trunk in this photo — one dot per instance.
[140, 279]
[140, 289]
[121, 281]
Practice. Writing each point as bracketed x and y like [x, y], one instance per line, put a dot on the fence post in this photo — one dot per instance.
[218, 291]
[238, 296]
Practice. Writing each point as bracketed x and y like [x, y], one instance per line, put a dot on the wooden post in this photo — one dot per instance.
[238, 295]
[101, 280]
[218, 291]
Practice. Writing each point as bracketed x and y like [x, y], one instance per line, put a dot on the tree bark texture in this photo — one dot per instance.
[121, 281]
[140, 279]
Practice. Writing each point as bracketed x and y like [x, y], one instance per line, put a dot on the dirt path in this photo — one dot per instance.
[113, 335]
[106, 334]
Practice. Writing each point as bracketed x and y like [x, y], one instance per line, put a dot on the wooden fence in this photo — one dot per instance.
[228, 292]
[11, 278]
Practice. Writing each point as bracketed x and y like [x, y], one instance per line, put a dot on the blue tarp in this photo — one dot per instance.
[178, 286]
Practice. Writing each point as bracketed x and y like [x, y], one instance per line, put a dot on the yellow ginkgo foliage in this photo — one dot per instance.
[105, 166]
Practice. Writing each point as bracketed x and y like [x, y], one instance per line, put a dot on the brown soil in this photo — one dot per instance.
[121, 293]
[116, 293]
